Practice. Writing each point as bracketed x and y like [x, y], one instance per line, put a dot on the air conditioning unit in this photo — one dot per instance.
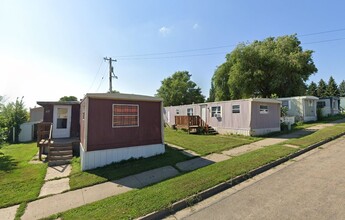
[217, 115]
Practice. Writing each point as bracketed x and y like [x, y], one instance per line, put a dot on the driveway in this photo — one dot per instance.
[310, 187]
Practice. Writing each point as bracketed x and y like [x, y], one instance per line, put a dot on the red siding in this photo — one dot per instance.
[82, 122]
[101, 134]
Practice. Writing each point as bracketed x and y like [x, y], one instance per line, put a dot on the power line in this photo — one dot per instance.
[323, 41]
[100, 83]
[98, 71]
[321, 32]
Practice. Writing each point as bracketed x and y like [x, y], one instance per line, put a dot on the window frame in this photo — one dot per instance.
[321, 106]
[177, 112]
[188, 113]
[218, 110]
[264, 111]
[234, 110]
[125, 126]
[288, 103]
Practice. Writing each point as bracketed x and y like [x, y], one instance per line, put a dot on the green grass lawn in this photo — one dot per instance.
[318, 136]
[141, 202]
[205, 144]
[115, 171]
[19, 180]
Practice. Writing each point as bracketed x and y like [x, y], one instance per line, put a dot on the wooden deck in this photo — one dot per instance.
[193, 123]
[58, 150]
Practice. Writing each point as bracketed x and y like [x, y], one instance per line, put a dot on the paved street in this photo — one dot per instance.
[311, 186]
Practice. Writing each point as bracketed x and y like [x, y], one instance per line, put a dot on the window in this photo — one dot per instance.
[263, 109]
[61, 121]
[216, 111]
[235, 108]
[125, 115]
[321, 104]
[177, 111]
[310, 103]
[286, 103]
[189, 111]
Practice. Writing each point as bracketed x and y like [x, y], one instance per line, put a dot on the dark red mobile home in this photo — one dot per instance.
[116, 127]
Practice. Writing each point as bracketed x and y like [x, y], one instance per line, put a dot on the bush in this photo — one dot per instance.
[319, 114]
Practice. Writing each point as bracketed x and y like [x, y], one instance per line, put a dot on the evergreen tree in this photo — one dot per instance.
[332, 88]
[312, 89]
[322, 88]
[342, 89]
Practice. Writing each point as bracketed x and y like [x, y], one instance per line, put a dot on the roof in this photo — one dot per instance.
[58, 103]
[299, 97]
[266, 100]
[123, 96]
[330, 97]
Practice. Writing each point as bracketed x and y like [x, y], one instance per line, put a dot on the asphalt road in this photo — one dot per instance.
[310, 187]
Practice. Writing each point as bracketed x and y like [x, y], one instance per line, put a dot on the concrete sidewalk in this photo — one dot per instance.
[62, 202]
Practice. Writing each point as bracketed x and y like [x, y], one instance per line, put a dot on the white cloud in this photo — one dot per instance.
[164, 31]
[196, 26]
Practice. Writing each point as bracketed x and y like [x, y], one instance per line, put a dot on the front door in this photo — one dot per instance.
[62, 121]
[203, 112]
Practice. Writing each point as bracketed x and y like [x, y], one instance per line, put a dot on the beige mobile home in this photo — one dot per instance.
[248, 117]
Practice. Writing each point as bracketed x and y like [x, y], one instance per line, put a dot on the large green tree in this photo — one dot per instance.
[179, 89]
[322, 88]
[312, 89]
[12, 115]
[273, 66]
[220, 80]
[342, 89]
[68, 98]
[332, 87]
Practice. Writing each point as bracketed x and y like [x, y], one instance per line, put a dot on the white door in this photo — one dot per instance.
[62, 121]
[203, 112]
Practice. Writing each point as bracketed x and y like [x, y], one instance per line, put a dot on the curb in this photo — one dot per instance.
[182, 204]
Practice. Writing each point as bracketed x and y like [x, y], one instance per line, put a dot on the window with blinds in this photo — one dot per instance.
[125, 115]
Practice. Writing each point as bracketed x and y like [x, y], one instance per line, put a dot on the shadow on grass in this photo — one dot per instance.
[7, 163]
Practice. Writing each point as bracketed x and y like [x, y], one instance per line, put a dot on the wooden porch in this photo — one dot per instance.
[193, 124]
[58, 150]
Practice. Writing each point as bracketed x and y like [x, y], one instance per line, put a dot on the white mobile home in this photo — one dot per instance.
[246, 117]
[303, 108]
[329, 105]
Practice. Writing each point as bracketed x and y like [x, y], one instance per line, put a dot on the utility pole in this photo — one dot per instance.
[111, 73]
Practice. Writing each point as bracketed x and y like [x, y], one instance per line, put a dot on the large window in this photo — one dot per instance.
[263, 109]
[189, 111]
[216, 111]
[321, 104]
[236, 109]
[125, 115]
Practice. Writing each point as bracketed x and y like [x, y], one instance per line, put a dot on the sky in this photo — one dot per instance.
[50, 49]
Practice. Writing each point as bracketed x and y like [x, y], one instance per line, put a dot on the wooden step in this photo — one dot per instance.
[60, 152]
[60, 148]
[60, 157]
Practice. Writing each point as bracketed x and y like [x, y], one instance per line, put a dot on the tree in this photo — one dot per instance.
[220, 82]
[342, 89]
[12, 116]
[68, 98]
[312, 89]
[272, 66]
[332, 88]
[178, 89]
[212, 95]
[322, 88]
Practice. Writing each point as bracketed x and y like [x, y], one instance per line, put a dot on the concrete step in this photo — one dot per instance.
[58, 162]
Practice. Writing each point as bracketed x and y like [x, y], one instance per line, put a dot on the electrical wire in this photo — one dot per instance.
[98, 71]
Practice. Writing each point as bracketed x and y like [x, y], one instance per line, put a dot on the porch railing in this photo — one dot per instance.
[44, 137]
[190, 122]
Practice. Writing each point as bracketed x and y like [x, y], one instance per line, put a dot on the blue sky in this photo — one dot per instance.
[49, 49]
